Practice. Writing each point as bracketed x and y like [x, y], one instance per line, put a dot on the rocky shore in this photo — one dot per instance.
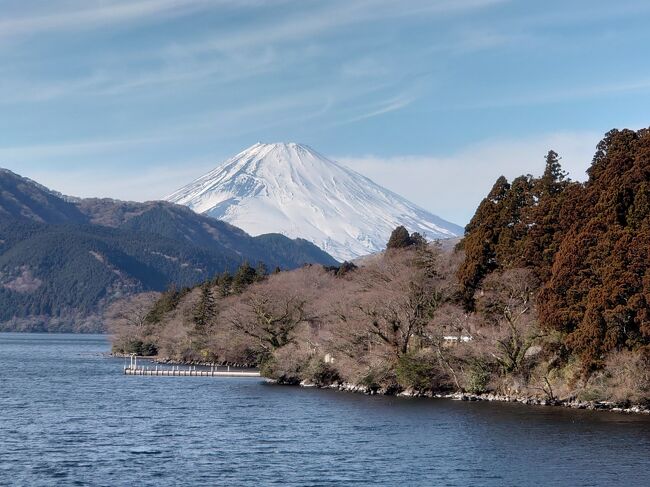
[572, 403]
[491, 397]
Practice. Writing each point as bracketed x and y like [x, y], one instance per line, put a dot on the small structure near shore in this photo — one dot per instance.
[176, 371]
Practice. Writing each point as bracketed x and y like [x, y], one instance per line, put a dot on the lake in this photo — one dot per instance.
[70, 417]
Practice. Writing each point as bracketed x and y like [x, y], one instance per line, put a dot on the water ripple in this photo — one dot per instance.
[69, 417]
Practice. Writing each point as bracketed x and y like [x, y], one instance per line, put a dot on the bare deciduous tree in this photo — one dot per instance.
[129, 315]
[507, 301]
[271, 312]
[390, 302]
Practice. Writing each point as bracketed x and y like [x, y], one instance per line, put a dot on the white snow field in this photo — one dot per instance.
[291, 189]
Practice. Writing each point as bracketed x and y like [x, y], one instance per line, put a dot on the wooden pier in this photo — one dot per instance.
[176, 371]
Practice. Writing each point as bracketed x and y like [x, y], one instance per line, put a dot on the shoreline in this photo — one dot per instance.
[454, 396]
[486, 397]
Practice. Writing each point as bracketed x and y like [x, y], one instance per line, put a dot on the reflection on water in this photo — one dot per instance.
[69, 417]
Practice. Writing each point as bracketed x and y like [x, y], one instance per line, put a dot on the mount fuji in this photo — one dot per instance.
[291, 189]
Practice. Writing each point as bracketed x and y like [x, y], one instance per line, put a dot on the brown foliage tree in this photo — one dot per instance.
[272, 311]
[394, 298]
[598, 291]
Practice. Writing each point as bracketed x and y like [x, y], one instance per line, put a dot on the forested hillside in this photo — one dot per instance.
[588, 246]
[22, 198]
[546, 296]
[63, 260]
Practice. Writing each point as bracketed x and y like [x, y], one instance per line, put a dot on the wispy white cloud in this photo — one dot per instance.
[581, 12]
[84, 15]
[220, 124]
[334, 15]
[231, 53]
[133, 79]
[50, 151]
[574, 93]
[453, 185]
[20, 91]
[386, 106]
[89, 14]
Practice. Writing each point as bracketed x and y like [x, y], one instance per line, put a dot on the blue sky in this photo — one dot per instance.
[433, 99]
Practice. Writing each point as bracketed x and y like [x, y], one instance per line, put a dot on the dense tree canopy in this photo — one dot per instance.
[589, 244]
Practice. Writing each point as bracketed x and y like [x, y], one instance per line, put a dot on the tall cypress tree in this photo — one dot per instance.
[205, 310]
[224, 282]
[553, 179]
[481, 237]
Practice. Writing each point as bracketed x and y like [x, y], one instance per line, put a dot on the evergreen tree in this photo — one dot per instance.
[481, 237]
[261, 271]
[588, 244]
[167, 302]
[205, 310]
[399, 239]
[513, 223]
[553, 179]
[417, 240]
[599, 290]
[546, 218]
[224, 283]
[244, 277]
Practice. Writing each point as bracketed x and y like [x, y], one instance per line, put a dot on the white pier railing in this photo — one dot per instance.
[190, 371]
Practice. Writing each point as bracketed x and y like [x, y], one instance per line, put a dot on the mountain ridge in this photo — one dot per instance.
[63, 260]
[292, 189]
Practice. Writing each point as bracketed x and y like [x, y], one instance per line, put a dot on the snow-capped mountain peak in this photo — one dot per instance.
[291, 189]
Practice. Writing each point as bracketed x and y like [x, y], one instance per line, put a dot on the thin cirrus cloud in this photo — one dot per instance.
[233, 53]
[134, 86]
[89, 14]
[548, 96]
[237, 53]
[133, 79]
[147, 185]
[335, 15]
[454, 184]
[224, 123]
[386, 106]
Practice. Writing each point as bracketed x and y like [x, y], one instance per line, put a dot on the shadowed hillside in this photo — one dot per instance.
[63, 260]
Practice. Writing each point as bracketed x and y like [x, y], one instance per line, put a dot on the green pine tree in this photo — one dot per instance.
[205, 310]
[244, 277]
[224, 283]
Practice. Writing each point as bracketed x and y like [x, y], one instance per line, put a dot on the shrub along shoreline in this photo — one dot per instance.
[572, 402]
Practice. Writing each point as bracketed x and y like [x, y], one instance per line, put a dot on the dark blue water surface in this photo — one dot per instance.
[69, 417]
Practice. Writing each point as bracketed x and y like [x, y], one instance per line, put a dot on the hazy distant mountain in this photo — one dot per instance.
[63, 260]
[293, 190]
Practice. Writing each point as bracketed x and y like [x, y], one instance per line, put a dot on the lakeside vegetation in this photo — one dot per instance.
[547, 295]
[64, 260]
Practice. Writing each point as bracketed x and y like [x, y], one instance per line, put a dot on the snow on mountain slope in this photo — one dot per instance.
[293, 190]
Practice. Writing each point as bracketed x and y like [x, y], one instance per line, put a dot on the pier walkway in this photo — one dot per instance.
[176, 371]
